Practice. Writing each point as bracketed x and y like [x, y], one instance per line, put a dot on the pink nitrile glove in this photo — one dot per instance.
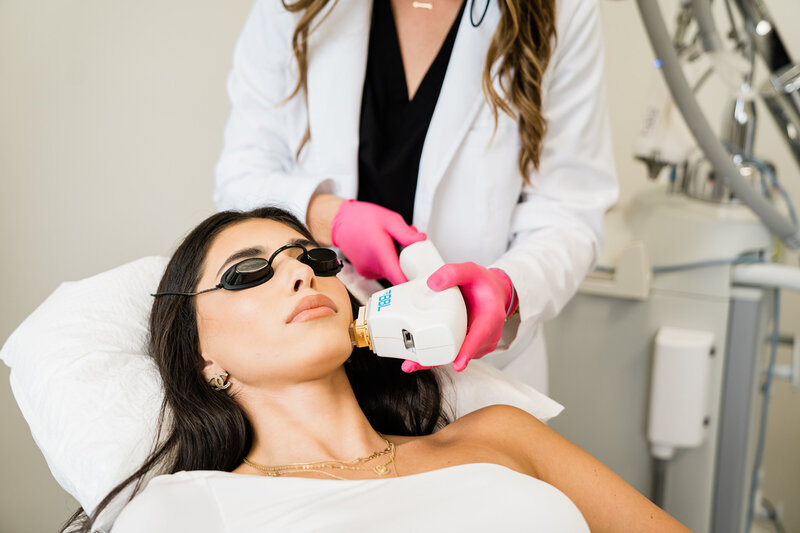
[365, 233]
[487, 293]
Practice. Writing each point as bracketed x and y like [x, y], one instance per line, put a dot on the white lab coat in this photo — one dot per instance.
[470, 199]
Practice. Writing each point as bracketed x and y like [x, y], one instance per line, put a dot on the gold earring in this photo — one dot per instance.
[218, 381]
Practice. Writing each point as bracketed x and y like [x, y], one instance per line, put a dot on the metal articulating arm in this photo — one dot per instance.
[695, 119]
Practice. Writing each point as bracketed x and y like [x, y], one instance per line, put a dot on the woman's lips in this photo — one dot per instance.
[311, 307]
[310, 314]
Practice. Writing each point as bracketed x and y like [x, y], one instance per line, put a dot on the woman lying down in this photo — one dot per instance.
[277, 424]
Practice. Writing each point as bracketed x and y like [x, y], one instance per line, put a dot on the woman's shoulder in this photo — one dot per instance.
[174, 502]
[503, 430]
[487, 421]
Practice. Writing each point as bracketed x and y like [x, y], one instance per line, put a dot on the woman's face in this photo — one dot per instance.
[262, 335]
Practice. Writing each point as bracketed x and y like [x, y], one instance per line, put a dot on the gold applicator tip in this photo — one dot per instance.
[359, 332]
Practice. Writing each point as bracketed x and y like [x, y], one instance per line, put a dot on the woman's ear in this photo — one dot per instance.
[211, 369]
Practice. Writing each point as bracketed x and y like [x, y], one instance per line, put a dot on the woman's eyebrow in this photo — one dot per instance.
[257, 251]
[304, 242]
[241, 254]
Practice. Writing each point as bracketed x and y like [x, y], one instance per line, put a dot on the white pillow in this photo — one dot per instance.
[91, 395]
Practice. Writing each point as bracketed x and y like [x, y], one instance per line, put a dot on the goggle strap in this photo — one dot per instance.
[170, 293]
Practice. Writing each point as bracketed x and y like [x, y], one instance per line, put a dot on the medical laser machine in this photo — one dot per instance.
[666, 380]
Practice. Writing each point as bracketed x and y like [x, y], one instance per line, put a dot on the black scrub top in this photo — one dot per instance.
[392, 128]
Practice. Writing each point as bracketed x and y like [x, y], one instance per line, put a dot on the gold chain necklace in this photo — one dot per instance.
[379, 470]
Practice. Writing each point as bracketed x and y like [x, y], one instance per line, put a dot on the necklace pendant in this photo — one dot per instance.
[381, 470]
[425, 5]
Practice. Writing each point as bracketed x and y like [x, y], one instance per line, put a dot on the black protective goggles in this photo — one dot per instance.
[257, 270]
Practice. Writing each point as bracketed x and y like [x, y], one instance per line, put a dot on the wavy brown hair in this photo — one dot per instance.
[521, 46]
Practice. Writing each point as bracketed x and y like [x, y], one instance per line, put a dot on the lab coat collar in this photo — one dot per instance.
[337, 68]
[459, 101]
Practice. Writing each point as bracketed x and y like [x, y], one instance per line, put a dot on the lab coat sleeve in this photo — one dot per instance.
[557, 226]
[257, 166]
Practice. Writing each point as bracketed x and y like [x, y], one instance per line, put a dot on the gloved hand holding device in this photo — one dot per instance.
[365, 233]
[490, 298]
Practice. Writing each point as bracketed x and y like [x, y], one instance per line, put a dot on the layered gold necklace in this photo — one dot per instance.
[322, 467]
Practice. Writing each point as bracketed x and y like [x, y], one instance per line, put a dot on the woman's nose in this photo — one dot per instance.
[301, 275]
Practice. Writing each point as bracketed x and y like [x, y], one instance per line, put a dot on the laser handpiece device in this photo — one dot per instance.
[411, 321]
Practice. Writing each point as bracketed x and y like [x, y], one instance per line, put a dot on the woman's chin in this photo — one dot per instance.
[326, 349]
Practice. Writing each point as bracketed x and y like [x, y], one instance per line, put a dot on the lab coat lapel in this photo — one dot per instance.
[336, 70]
[459, 101]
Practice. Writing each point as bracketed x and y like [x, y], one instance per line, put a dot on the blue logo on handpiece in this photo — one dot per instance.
[385, 300]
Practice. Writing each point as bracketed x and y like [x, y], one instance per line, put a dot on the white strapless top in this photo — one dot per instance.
[479, 497]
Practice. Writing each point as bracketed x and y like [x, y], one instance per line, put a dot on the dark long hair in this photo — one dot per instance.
[205, 429]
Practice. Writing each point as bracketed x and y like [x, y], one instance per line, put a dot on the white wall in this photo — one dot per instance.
[111, 115]
[111, 118]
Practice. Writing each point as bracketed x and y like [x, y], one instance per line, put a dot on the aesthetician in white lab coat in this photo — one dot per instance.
[507, 242]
